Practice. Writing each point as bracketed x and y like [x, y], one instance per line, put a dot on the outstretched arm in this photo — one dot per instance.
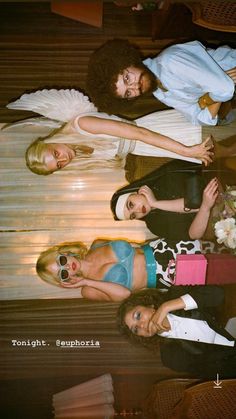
[96, 125]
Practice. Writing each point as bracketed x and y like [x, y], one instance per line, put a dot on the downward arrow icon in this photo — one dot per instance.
[217, 382]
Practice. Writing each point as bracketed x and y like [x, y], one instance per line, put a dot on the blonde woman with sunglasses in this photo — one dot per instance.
[111, 270]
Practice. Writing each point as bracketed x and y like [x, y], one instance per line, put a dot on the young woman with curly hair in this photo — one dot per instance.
[181, 324]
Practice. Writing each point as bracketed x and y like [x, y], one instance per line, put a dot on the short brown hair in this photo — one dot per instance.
[105, 65]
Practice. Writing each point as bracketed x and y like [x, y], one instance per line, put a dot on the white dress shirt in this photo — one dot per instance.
[190, 70]
[192, 329]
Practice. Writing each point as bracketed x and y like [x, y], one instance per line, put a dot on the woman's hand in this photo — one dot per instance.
[210, 194]
[75, 282]
[149, 195]
[159, 320]
[203, 151]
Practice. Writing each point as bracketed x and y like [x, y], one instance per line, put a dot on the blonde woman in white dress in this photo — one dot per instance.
[87, 139]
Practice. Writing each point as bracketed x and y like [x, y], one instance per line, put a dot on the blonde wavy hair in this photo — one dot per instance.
[78, 249]
[84, 157]
[34, 157]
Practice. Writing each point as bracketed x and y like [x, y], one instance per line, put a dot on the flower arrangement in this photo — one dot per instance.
[225, 224]
[225, 231]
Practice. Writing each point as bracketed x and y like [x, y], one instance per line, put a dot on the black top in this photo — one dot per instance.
[200, 359]
[167, 182]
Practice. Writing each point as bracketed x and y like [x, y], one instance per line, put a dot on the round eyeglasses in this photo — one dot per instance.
[128, 77]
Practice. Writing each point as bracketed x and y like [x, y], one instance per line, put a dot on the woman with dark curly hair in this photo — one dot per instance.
[183, 318]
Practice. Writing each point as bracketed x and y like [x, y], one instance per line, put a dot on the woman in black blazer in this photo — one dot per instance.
[182, 324]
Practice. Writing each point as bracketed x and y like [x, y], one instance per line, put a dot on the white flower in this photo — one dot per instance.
[231, 239]
[225, 231]
[232, 193]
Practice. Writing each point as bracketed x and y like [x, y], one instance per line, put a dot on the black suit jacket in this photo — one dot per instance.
[208, 298]
[197, 358]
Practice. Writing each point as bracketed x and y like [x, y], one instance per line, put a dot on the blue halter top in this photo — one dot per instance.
[122, 271]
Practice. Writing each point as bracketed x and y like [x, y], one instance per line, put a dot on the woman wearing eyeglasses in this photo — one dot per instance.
[113, 269]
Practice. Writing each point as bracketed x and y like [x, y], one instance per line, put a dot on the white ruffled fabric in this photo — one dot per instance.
[62, 105]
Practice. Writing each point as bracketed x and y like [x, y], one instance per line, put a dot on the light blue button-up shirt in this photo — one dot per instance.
[188, 71]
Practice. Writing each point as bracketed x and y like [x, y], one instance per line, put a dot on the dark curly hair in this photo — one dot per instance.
[147, 297]
[105, 64]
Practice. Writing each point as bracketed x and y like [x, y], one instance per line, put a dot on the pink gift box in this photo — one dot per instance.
[190, 270]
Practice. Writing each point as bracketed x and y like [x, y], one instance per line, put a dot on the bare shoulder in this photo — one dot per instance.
[99, 242]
